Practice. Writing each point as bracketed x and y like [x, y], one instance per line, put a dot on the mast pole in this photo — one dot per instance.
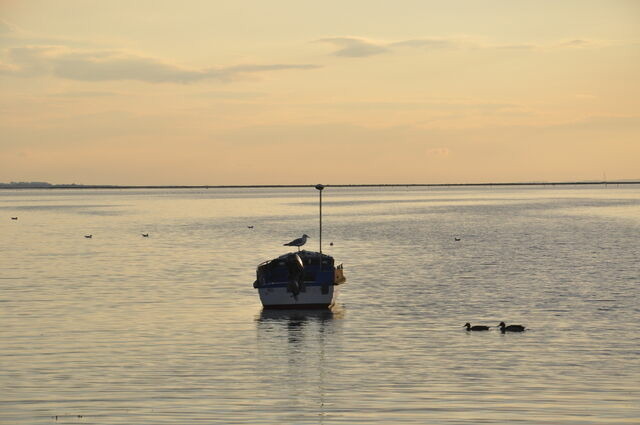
[320, 187]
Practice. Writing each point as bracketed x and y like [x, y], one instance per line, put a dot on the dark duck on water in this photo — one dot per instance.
[511, 328]
[476, 327]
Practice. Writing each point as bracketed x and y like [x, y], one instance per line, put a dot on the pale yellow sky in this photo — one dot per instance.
[297, 92]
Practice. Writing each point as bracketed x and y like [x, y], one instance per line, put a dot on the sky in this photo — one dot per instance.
[302, 92]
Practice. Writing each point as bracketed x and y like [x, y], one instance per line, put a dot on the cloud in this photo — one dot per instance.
[432, 43]
[6, 69]
[360, 47]
[438, 152]
[13, 35]
[113, 65]
[354, 47]
[230, 95]
[35, 55]
[7, 28]
[81, 94]
[440, 105]
[523, 46]
[577, 44]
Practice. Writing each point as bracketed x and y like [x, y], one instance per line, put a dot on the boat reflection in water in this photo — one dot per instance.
[298, 316]
[298, 323]
[296, 350]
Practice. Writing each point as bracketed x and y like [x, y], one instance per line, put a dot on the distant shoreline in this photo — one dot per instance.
[20, 186]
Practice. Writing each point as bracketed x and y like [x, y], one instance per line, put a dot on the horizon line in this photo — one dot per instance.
[42, 185]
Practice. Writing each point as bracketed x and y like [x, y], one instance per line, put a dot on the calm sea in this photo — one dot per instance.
[124, 329]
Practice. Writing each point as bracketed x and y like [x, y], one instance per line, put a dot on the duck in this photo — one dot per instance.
[511, 328]
[476, 327]
[14, 218]
[145, 235]
[88, 236]
[456, 239]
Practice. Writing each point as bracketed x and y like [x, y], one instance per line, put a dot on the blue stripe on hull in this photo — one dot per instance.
[296, 306]
[285, 284]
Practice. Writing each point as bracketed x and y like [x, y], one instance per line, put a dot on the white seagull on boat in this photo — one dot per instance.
[298, 242]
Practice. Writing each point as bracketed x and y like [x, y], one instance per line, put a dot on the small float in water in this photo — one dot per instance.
[303, 279]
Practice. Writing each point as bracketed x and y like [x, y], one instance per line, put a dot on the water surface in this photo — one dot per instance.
[121, 329]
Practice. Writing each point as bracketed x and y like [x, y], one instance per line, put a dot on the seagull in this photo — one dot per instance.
[145, 235]
[298, 242]
[249, 227]
[511, 328]
[476, 327]
[88, 236]
[14, 218]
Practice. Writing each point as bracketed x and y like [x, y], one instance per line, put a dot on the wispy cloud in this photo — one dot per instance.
[81, 94]
[358, 47]
[112, 65]
[433, 43]
[577, 44]
[361, 47]
[354, 47]
[13, 35]
[438, 152]
[439, 105]
[230, 95]
[7, 28]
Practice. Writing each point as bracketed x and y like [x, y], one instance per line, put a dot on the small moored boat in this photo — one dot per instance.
[303, 279]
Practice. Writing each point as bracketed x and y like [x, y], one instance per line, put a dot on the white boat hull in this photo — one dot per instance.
[311, 297]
